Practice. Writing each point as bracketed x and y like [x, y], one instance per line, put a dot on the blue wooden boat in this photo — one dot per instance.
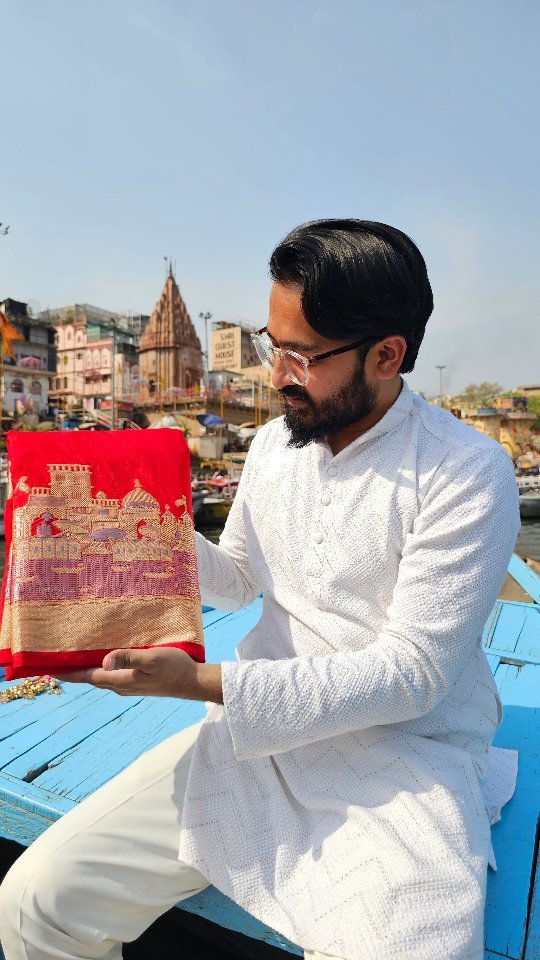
[55, 751]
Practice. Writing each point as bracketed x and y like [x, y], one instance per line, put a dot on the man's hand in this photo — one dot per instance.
[158, 672]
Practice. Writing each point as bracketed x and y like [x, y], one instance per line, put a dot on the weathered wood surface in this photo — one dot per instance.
[511, 590]
[55, 751]
[515, 628]
[526, 576]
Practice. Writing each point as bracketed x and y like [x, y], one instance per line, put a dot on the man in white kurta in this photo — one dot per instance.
[336, 793]
[334, 790]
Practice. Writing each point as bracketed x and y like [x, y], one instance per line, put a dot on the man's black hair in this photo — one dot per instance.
[359, 279]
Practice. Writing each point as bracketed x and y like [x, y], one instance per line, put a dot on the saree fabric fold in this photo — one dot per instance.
[100, 549]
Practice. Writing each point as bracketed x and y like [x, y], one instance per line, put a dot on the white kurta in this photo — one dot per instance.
[336, 793]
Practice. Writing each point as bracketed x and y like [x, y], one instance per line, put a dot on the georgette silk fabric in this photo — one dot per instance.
[100, 549]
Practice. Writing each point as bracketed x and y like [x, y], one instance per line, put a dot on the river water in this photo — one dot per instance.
[528, 541]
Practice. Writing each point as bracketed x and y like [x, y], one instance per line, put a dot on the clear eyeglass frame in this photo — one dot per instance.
[295, 364]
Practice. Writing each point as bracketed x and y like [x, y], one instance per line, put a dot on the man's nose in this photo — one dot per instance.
[280, 376]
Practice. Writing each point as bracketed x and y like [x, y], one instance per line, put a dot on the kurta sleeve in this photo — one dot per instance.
[226, 580]
[451, 570]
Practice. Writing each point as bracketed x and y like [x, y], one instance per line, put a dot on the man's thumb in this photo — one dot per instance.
[121, 660]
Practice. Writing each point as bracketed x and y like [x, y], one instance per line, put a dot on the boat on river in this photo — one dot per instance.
[529, 497]
[213, 510]
[221, 491]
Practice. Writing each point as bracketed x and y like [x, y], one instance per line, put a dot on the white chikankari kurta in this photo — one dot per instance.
[336, 793]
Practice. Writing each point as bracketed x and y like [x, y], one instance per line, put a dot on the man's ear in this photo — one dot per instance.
[387, 357]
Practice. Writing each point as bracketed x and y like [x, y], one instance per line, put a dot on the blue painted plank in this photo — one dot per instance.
[508, 627]
[516, 659]
[223, 637]
[22, 756]
[26, 811]
[22, 825]
[493, 660]
[532, 948]
[516, 630]
[27, 795]
[514, 836]
[211, 615]
[529, 637]
[84, 768]
[20, 714]
[527, 578]
[490, 623]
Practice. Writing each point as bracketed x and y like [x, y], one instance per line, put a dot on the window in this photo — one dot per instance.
[17, 386]
[88, 359]
[36, 388]
[105, 358]
[95, 357]
[65, 383]
[79, 356]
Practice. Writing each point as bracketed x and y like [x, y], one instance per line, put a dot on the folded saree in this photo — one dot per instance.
[100, 549]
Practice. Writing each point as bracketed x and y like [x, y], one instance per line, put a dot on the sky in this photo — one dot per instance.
[135, 130]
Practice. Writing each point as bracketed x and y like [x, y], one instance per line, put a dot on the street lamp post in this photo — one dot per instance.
[206, 317]
[440, 367]
[113, 379]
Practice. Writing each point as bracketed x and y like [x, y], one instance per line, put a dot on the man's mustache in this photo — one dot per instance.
[295, 393]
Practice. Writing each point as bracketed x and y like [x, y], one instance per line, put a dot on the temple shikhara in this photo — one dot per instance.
[170, 351]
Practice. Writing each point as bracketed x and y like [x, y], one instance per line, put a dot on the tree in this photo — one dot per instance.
[479, 394]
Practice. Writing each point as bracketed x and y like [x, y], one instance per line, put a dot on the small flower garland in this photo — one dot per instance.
[30, 688]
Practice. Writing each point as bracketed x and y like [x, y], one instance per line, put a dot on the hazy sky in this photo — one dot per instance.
[137, 129]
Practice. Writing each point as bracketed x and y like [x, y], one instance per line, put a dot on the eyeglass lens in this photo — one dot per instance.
[296, 369]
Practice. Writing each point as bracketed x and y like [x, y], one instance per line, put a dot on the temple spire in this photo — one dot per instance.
[170, 351]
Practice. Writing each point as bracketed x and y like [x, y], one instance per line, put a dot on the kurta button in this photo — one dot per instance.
[326, 499]
[318, 536]
[332, 471]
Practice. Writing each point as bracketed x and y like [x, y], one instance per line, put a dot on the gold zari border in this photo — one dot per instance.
[91, 623]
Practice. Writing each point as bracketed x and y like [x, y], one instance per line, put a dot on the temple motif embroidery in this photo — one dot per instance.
[69, 543]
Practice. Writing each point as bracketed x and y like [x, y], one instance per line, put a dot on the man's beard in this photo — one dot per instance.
[348, 404]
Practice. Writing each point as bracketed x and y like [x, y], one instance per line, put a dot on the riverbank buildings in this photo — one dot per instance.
[25, 376]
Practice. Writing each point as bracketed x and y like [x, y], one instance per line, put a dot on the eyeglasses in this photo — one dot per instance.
[296, 366]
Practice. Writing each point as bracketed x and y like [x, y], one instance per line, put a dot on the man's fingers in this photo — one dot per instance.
[105, 679]
[75, 676]
[127, 660]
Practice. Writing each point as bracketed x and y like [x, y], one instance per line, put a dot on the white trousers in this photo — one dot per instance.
[104, 872]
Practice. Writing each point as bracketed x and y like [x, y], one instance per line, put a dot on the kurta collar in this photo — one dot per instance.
[393, 417]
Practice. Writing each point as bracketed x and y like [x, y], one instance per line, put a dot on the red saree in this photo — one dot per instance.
[100, 549]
